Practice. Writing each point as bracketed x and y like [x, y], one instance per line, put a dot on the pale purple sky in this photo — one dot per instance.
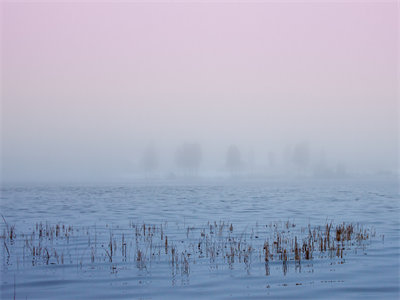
[86, 86]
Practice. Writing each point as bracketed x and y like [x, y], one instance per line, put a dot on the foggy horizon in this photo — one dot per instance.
[83, 100]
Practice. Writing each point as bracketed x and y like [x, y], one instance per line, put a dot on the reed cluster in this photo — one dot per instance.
[217, 243]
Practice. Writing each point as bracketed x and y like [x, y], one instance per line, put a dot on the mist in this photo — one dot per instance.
[128, 91]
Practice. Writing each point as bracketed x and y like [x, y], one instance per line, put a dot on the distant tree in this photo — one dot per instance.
[188, 157]
[271, 159]
[301, 156]
[341, 170]
[233, 159]
[321, 169]
[149, 161]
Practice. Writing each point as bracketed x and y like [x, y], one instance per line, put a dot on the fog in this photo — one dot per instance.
[132, 91]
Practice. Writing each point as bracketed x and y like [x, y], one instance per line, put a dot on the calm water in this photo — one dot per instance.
[368, 270]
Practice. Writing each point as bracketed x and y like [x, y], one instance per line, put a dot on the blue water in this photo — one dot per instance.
[369, 270]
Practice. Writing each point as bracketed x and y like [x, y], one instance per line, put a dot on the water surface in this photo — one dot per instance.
[368, 270]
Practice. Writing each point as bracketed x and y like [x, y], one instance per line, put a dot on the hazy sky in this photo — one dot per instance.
[85, 87]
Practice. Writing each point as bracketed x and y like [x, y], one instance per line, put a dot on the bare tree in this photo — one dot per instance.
[301, 156]
[233, 159]
[188, 157]
[149, 161]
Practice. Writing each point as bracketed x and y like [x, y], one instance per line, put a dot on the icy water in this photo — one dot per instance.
[203, 240]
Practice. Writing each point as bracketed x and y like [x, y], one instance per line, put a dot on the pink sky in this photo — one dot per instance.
[103, 78]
